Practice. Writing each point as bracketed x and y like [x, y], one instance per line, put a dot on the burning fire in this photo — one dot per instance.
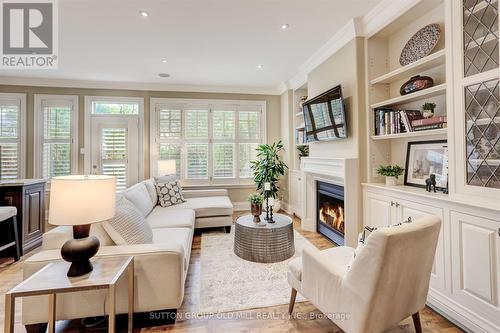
[333, 216]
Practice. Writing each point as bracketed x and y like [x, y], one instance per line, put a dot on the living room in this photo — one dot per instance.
[250, 166]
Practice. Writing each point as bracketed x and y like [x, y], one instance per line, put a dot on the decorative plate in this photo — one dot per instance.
[420, 44]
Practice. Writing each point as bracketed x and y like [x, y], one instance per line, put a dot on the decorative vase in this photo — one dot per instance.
[256, 210]
[390, 181]
[428, 113]
[416, 83]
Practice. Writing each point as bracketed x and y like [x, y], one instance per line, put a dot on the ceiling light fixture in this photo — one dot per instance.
[164, 61]
[164, 75]
[285, 26]
[260, 67]
[143, 13]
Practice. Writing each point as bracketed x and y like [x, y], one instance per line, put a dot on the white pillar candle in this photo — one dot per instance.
[271, 201]
[267, 186]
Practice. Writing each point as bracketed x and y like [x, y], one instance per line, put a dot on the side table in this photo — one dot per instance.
[52, 280]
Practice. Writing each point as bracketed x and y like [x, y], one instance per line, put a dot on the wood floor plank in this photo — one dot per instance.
[306, 318]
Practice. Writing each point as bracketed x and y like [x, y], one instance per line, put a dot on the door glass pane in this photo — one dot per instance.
[114, 155]
[197, 124]
[170, 124]
[248, 125]
[172, 151]
[223, 160]
[247, 154]
[115, 108]
[482, 118]
[197, 160]
[223, 124]
[57, 122]
[9, 163]
[56, 160]
[480, 20]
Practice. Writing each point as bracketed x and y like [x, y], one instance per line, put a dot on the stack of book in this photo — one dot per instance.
[388, 121]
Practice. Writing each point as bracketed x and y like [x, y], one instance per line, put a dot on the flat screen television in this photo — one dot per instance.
[325, 117]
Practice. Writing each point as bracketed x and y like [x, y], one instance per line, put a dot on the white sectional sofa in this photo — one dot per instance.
[160, 267]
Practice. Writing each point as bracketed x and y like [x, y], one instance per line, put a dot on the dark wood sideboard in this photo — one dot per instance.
[28, 196]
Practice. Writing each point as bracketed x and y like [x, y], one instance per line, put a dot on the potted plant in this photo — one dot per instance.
[303, 151]
[268, 168]
[256, 200]
[391, 173]
[428, 110]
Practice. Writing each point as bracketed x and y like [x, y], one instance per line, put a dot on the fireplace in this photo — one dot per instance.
[330, 211]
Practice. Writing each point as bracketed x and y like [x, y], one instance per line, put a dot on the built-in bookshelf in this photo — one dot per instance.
[386, 76]
[299, 126]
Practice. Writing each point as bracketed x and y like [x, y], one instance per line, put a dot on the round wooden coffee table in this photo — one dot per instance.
[264, 242]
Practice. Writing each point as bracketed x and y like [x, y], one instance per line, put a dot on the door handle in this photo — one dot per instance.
[392, 203]
[397, 204]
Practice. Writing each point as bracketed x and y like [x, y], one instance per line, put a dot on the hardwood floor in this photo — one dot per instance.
[306, 319]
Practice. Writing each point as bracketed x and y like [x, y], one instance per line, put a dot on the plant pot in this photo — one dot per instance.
[428, 113]
[391, 181]
[256, 210]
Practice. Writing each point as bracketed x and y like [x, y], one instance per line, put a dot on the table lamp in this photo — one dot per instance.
[79, 201]
[167, 167]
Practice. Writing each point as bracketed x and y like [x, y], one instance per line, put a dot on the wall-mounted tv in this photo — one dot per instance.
[325, 117]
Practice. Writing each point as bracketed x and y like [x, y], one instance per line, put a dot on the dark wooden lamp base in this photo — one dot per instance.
[79, 250]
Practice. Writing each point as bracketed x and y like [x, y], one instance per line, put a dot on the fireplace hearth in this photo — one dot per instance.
[330, 211]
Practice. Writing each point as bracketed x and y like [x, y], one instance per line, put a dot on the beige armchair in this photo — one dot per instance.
[387, 282]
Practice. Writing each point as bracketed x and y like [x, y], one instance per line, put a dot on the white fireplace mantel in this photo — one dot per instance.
[339, 171]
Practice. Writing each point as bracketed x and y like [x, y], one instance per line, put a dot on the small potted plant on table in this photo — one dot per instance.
[256, 200]
[391, 173]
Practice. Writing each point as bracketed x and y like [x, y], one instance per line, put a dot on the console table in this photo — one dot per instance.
[264, 242]
[28, 196]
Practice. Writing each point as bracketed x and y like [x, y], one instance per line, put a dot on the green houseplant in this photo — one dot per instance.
[268, 168]
[256, 200]
[303, 150]
[391, 173]
[428, 110]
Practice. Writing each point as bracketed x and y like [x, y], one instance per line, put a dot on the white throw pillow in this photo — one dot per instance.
[139, 196]
[128, 226]
[150, 186]
[169, 194]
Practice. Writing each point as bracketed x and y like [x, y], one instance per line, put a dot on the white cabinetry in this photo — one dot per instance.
[465, 279]
[295, 192]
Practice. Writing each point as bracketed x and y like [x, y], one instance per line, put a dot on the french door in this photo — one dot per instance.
[115, 148]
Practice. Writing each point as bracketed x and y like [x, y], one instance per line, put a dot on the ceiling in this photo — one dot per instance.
[205, 42]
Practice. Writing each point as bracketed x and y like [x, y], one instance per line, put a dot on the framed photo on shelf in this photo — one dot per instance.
[424, 158]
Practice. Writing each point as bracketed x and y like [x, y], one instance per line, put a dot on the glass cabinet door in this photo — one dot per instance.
[481, 92]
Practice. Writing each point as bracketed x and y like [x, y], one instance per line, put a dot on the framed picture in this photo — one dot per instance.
[424, 158]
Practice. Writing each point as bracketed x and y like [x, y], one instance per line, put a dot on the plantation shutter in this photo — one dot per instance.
[114, 155]
[57, 138]
[197, 145]
[197, 160]
[9, 138]
[249, 136]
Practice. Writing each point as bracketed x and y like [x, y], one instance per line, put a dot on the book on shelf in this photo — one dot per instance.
[389, 121]
[429, 127]
[428, 121]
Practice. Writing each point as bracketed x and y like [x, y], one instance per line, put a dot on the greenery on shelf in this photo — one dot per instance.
[269, 167]
[390, 170]
[256, 198]
[303, 150]
[429, 106]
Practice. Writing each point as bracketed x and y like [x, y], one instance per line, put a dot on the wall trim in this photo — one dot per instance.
[143, 86]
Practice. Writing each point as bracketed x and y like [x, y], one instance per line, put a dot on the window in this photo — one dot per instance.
[56, 145]
[12, 134]
[212, 142]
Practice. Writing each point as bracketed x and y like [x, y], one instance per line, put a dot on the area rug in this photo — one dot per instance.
[229, 283]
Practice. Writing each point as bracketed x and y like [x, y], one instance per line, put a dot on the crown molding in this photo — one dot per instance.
[143, 86]
[384, 13]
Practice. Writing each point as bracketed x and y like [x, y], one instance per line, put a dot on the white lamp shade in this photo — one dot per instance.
[167, 167]
[79, 200]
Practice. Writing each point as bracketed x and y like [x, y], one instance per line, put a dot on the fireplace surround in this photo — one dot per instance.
[330, 211]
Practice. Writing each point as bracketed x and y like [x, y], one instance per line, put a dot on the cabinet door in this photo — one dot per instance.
[415, 211]
[33, 216]
[379, 210]
[295, 188]
[475, 249]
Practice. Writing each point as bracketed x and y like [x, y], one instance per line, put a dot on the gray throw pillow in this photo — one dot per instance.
[169, 194]
[128, 226]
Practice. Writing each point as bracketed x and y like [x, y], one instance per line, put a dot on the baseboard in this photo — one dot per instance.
[458, 315]
[241, 205]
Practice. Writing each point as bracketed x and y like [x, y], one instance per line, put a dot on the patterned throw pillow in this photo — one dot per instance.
[128, 226]
[169, 194]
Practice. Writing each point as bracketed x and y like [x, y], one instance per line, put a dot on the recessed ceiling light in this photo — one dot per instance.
[143, 13]
[260, 67]
[164, 61]
[164, 75]
[285, 26]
